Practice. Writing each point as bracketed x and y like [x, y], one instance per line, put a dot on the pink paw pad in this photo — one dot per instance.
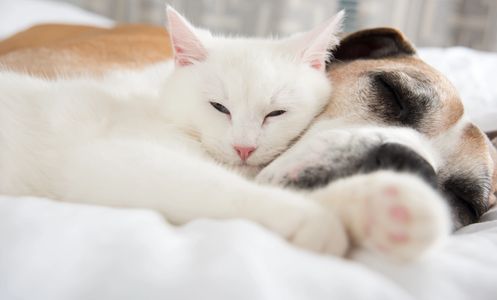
[391, 191]
[294, 174]
[398, 237]
[384, 248]
[400, 213]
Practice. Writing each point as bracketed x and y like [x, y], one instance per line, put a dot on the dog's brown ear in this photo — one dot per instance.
[493, 153]
[373, 44]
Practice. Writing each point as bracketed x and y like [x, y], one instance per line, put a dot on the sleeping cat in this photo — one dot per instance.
[176, 136]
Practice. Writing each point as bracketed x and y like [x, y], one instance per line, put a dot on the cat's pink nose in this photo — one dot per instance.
[244, 151]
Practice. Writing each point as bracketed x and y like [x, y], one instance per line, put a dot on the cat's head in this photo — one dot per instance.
[248, 99]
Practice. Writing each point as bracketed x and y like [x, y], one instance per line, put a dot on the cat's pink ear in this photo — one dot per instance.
[187, 47]
[318, 42]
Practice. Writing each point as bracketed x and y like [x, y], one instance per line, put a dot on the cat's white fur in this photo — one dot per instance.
[151, 139]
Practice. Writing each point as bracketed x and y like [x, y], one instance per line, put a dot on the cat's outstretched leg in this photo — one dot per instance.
[396, 214]
[129, 173]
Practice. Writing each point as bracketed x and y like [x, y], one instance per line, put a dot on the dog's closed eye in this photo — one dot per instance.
[399, 99]
[394, 100]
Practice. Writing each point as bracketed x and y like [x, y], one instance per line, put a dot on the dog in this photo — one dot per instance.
[390, 110]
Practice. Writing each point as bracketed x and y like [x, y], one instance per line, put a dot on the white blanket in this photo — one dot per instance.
[473, 74]
[51, 250]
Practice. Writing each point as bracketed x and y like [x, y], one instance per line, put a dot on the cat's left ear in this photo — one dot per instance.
[187, 47]
[316, 44]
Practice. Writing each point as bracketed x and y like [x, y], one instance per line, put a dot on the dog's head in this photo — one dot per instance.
[391, 110]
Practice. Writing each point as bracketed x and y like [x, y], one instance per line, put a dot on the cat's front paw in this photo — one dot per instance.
[321, 231]
[400, 216]
[287, 168]
[309, 226]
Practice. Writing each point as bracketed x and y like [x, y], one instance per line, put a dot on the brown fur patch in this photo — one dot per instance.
[350, 84]
[477, 144]
[52, 49]
[492, 146]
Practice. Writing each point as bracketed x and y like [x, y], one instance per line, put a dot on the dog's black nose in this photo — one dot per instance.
[397, 157]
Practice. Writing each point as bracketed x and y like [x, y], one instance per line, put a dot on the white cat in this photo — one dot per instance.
[162, 138]
[174, 136]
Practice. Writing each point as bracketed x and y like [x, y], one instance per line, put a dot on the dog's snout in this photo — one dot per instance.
[397, 157]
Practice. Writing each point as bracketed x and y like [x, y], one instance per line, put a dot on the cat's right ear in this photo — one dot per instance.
[187, 47]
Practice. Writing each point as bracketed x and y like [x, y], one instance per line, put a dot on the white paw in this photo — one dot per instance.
[320, 158]
[289, 165]
[283, 170]
[309, 226]
[400, 216]
[321, 231]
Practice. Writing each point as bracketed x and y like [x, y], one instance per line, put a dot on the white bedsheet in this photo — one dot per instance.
[52, 250]
[473, 74]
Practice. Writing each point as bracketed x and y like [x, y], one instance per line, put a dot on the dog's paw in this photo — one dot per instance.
[288, 168]
[400, 216]
[323, 157]
[309, 226]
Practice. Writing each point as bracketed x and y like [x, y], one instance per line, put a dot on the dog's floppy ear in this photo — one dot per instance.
[492, 136]
[373, 44]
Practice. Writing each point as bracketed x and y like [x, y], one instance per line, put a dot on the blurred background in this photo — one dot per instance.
[471, 23]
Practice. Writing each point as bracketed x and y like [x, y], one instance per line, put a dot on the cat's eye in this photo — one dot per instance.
[275, 113]
[219, 107]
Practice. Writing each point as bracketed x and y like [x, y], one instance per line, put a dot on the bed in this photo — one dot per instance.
[53, 250]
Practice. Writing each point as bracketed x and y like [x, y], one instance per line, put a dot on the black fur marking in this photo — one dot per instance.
[467, 197]
[401, 99]
[389, 156]
[373, 43]
[312, 178]
[336, 163]
[397, 157]
[315, 177]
